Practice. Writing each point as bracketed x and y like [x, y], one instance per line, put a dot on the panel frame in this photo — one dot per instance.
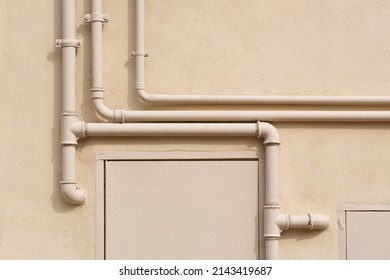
[342, 218]
[105, 156]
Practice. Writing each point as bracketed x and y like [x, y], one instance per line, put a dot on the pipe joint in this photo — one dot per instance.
[72, 193]
[140, 86]
[97, 93]
[119, 115]
[143, 96]
[68, 137]
[79, 128]
[271, 229]
[268, 132]
[271, 236]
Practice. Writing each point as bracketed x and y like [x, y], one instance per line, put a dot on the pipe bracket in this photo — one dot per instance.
[63, 43]
[144, 54]
[103, 18]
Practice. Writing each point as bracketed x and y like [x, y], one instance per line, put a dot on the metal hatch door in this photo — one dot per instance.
[181, 209]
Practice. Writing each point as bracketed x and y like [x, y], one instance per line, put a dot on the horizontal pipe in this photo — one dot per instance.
[121, 115]
[260, 99]
[309, 221]
[165, 129]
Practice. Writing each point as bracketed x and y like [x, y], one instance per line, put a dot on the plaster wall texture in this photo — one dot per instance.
[300, 47]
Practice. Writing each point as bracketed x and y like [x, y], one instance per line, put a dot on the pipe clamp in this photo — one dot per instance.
[144, 54]
[96, 18]
[62, 43]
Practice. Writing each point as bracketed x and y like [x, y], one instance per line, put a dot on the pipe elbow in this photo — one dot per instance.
[144, 96]
[72, 193]
[268, 132]
[103, 110]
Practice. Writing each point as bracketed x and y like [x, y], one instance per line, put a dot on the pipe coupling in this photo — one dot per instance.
[97, 92]
[119, 115]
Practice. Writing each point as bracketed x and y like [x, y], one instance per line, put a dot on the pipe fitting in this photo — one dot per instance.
[271, 228]
[97, 93]
[143, 96]
[119, 115]
[268, 132]
[72, 193]
[102, 109]
[68, 119]
[79, 128]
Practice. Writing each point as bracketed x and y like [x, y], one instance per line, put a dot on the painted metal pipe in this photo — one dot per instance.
[166, 130]
[309, 221]
[68, 182]
[121, 115]
[271, 207]
[231, 99]
[96, 20]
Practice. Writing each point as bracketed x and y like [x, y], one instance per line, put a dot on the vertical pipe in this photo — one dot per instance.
[271, 207]
[140, 45]
[97, 46]
[68, 182]
[68, 57]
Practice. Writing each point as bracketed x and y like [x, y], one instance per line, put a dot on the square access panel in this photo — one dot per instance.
[365, 232]
[181, 209]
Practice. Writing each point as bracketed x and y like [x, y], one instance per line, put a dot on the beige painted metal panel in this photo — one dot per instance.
[368, 235]
[181, 209]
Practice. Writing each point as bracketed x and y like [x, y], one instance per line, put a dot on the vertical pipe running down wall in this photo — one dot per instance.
[97, 47]
[68, 182]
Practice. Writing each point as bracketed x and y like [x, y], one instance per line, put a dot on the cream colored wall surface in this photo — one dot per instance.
[296, 47]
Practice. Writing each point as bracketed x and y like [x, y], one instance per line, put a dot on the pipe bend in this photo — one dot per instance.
[144, 96]
[103, 110]
[268, 132]
[72, 194]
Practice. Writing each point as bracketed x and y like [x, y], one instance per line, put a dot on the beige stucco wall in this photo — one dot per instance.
[297, 47]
